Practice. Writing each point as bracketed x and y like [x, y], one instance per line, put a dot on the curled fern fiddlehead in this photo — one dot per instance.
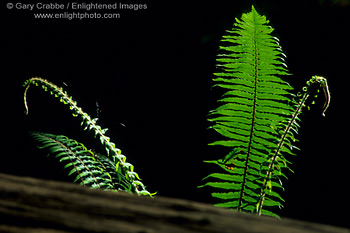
[258, 118]
[124, 169]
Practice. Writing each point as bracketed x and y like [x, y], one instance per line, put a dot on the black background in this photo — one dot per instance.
[151, 70]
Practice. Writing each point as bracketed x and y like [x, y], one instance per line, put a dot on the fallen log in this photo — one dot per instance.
[34, 205]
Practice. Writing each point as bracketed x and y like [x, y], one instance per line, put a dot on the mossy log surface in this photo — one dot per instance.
[34, 205]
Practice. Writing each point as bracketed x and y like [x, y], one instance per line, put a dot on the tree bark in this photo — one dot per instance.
[34, 205]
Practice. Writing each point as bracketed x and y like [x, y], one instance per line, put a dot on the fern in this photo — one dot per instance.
[71, 150]
[90, 169]
[258, 118]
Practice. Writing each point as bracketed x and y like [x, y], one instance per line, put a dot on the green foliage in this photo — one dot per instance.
[91, 169]
[258, 118]
[83, 162]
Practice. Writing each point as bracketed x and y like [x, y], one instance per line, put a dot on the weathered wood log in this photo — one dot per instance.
[34, 205]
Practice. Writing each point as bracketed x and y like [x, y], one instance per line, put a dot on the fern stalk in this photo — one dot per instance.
[289, 126]
[251, 130]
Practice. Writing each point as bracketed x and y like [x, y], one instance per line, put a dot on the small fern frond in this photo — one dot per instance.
[83, 163]
[287, 129]
[114, 154]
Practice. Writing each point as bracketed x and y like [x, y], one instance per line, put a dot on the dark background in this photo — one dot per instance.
[151, 71]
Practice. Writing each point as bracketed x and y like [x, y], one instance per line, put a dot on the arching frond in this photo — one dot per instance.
[125, 169]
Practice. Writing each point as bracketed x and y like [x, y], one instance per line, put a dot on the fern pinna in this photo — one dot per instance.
[258, 118]
[98, 171]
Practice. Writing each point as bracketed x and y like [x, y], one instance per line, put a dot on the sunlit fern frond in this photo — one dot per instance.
[258, 118]
[89, 168]
[125, 170]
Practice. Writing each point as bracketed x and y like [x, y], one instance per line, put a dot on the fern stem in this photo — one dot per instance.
[279, 147]
[253, 117]
[25, 99]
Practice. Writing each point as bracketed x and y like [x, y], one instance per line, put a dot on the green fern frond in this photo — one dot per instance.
[258, 117]
[114, 154]
[256, 99]
[81, 162]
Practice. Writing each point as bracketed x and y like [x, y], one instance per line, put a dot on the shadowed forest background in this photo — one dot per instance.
[151, 72]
